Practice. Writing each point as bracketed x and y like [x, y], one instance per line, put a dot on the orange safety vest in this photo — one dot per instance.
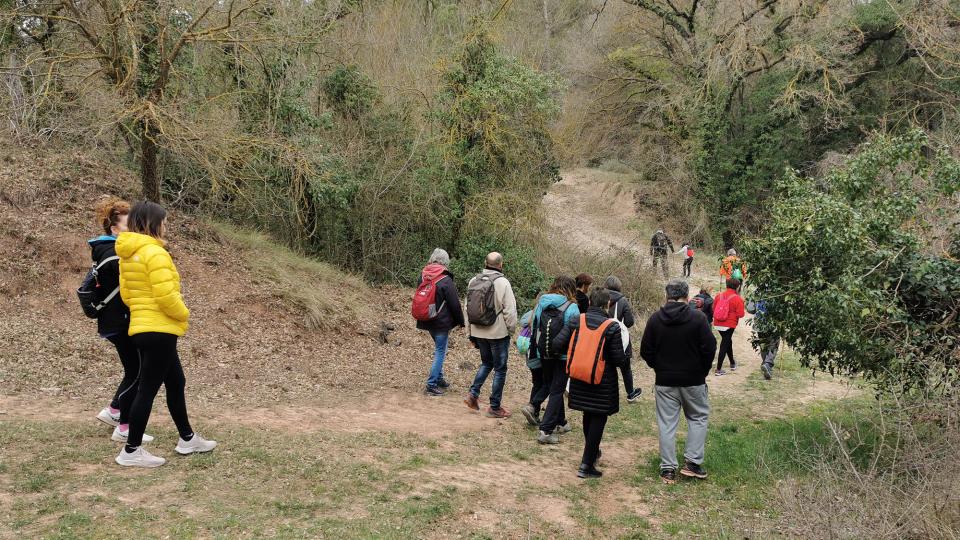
[585, 355]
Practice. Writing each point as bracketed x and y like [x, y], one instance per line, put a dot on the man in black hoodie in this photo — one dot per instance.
[679, 346]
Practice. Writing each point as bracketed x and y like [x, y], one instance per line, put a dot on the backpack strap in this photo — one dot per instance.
[105, 261]
[103, 303]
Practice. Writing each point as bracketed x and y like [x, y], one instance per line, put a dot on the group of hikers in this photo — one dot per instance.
[576, 340]
[133, 290]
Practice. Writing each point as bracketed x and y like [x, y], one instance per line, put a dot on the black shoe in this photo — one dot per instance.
[442, 383]
[767, 372]
[669, 476]
[588, 471]
[635, 395]
[693, 471]
[433, 391]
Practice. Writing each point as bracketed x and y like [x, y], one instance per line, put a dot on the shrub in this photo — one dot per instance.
[848, 265]
[349, 92]
[519, 265]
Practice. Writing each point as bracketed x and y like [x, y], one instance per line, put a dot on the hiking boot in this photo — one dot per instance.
[434, 391]
[719, 372]
[121, 436]
[195, 444]
[138, 458]
[693, 470]
[442, 383]
[669, 476]
[502, 412]
[547, 438]
[108, 417]
[563, 429]
[767, 372]
[472, 402]
[635, 395]
[530, 414]
[588, 471]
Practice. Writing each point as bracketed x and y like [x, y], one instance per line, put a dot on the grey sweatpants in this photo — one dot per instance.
[696, 407]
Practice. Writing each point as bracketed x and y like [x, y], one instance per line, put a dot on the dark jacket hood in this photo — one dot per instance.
[675, 313]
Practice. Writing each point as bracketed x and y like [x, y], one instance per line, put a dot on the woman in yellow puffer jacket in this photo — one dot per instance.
[150, 286]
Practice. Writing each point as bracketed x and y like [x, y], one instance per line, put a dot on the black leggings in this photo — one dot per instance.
[160, 364]
[555, 378]
[127, 391]
[726, 348]
[627, 371]
[540, 390]
[593, 425]
[687, 264]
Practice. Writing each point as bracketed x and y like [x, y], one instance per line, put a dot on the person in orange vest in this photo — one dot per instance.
[732, 267]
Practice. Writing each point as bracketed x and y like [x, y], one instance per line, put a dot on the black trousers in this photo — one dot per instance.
[555, 376]
[726, 348]
[593, 426]
[160, 364]
[687, 264]
[540, 390]
[627, 373]
[127, 391]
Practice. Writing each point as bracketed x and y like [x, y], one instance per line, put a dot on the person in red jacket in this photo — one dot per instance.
[728, 309]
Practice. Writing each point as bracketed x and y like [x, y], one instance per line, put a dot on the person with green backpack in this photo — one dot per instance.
[491, 319]
[732, 267]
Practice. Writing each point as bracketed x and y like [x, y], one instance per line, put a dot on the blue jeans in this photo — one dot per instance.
[493, 357]
[440, 340]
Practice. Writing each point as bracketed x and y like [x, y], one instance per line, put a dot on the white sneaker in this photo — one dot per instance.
[108, 417]
[121, 436]
[195, 444]
[138, 458]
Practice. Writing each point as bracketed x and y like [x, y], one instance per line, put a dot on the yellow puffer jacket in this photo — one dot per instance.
[150, 286]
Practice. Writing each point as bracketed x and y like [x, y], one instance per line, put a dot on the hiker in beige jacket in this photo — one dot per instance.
[492, 316]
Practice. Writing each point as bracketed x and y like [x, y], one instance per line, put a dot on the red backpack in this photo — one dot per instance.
[721, 306]
[689, 252]
[424, 306]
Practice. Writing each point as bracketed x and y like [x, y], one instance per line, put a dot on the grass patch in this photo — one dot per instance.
[327, 295]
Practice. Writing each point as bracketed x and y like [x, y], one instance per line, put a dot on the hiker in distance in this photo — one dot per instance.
[113, 316]
[660, 247]
[687, 251]
[150, 287]
[491, 319]
[728, 309]
[436, 308]
[679, 346]
[594, 352]
[765, 339]
[732, 267]
[555, 309]
[622, 312]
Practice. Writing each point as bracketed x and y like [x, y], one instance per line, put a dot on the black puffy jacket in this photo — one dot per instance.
[114, 318]
[679, 345]
[603, 398]
[624, 315]
[451, 315]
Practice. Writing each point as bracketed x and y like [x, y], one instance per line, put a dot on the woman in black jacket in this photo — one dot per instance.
[596, 401]
[113, 321]
[449, 316]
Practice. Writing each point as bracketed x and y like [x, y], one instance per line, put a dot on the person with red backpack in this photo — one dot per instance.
[687, 251]
[491, 319]
[728, 309]
[437, 310]
[594, 352]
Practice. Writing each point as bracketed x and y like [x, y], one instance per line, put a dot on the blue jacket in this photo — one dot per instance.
[548, 301]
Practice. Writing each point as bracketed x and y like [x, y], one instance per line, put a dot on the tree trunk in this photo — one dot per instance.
[149, 175]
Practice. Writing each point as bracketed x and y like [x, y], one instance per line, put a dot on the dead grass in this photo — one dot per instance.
[329, 297]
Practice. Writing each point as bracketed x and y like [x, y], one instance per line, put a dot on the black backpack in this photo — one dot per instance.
[89, 292]
[550, 324]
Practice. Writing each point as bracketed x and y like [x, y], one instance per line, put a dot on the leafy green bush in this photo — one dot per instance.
[349, 92]
[848, 264]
